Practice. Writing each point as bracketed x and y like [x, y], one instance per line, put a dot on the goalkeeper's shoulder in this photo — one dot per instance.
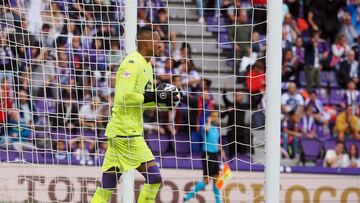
[130, 61]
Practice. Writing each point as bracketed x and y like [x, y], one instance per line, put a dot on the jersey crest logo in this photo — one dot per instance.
[131, 61]
[126, 74]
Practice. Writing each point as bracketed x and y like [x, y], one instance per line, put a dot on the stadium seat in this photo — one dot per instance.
[332, 80]
[323, 95]
[6, 156]
[182, 145]
[216, 25]
[159, 144]
[224, 42]
[302, 79]
[329, 144]
[33, 157]
[311, 150]
[321, 135]
[336, 96]
[319, 163]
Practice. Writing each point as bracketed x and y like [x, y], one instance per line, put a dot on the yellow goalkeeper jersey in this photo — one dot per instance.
[134, 76]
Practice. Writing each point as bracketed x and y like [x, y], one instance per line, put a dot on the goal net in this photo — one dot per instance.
[59, 60]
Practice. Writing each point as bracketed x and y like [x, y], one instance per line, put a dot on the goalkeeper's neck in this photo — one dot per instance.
[144, 53]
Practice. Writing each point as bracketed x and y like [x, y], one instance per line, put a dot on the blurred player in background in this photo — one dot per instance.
[210, 163]
[134, 92]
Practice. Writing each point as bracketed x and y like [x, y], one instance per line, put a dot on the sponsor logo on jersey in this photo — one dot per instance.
[126, 74]
[131, 61]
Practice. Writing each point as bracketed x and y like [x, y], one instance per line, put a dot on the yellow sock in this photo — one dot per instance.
[101, 195]
[148, 193]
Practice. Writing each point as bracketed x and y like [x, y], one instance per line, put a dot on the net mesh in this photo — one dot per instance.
[58, 65]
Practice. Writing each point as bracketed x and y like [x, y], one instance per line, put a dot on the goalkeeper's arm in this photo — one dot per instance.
[128, 97]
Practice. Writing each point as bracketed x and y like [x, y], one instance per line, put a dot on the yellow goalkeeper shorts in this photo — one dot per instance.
[126, 153]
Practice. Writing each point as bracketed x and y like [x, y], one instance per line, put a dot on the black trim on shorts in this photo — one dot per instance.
[127, 136]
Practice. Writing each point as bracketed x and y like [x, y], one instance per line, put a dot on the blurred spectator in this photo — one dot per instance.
[26, 108]
[201, 5]
[165, 73]
[291, 133]
[89, 114]
[43, 77]
[347, 125]
[67, 116]
[308, 126]
[233, 10]
[259, 13]
[315, 15]
[285, 43]
[356, 48]
[64, 68]
[81, 152]
[19, 132]
[349, 70]
[294, 7]
[46, 38]
[106, 33]
[255, 83]
[238, 136]
[290, 27]
[347, 28]
[318, 111]
[161, 24]
[62, 151]
[97, 58]
[299, 51]
[190, 76]
[6, 60]
[240, 33]
[115, 55]
[103, 147]
[258, 47]
[351, 98]
[331, 24]
[336, 158]
[87, 37]
[339, 49]
[181, 115]
[151, 124]
[353, 8]
[205, 105]
[202, 105]
[292, 100]
[142, 20]
[152, 7]
[6, 102]
[313, 59]
[354, 156]
[184, 53]
[289, 67]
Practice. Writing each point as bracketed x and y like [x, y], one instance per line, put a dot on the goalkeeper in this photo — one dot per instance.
[127, 149]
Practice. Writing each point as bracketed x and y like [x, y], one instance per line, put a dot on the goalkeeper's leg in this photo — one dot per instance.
[109, 181]
[151, 172]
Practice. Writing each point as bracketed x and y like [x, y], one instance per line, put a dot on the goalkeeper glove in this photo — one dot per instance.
[162, 96]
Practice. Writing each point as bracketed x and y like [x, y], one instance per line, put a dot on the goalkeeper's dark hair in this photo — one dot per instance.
[141, 32]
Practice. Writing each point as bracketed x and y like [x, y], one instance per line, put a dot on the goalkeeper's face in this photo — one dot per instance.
[156, 45]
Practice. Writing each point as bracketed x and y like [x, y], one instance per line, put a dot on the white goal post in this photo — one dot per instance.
[273, 101]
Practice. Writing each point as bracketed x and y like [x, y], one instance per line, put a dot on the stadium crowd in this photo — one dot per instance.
[59, 60]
